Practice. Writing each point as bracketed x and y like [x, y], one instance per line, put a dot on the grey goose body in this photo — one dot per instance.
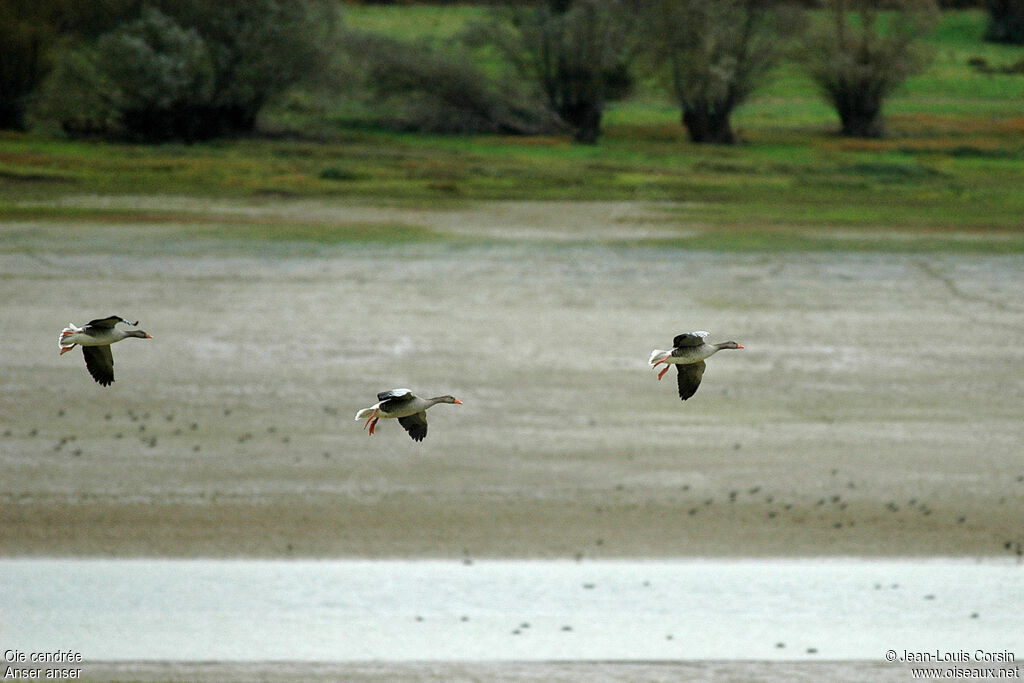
[95, 339]
[688, 352]
[410, 411]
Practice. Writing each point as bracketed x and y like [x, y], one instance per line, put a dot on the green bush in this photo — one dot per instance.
[189, 69]
[78, 97]
[149, 79]
[259, 49]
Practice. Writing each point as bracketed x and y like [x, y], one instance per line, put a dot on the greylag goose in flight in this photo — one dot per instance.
[95, 339]
[688, 354]
[411, 410]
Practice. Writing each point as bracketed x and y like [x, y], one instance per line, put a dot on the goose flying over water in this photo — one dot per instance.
[95, 339]
[411, 410]
[688, 354]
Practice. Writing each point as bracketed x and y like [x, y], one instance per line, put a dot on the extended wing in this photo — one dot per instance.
[689, 378]
[416, 425]
[100, 363]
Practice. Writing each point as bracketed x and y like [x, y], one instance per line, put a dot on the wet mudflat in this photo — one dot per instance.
[874, 411]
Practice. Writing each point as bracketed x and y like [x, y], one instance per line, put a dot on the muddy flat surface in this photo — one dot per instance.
[875, 411]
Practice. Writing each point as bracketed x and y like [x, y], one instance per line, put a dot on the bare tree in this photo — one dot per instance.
[858, 60]
[716, 53]
[575, 51]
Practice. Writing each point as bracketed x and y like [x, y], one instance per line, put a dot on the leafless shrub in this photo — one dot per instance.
[861, 56]
[715, 55]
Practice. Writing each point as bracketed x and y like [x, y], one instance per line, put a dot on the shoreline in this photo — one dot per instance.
[411, 672]
[414, 528]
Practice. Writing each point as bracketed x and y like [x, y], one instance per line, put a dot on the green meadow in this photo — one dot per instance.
[952, 162]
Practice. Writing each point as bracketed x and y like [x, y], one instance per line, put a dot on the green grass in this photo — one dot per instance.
[431, 23]
[953, 160]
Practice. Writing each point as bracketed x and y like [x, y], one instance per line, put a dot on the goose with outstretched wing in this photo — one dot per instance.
[95, 339]
[409, 409]
[688, 353]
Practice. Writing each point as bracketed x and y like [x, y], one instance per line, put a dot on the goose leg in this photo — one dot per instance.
[664, 370]
[365, 424]
[65, 349]
[373, 424]
[661, 360]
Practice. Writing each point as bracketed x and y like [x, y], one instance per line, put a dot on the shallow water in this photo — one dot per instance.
[326, 610]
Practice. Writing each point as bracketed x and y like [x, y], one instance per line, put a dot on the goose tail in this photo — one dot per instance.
[62, 339]
[657, 355]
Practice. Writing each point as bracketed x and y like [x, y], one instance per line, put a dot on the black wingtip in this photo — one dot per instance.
[101, 380]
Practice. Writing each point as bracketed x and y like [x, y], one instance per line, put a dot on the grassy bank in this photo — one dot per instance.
[953, 161]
